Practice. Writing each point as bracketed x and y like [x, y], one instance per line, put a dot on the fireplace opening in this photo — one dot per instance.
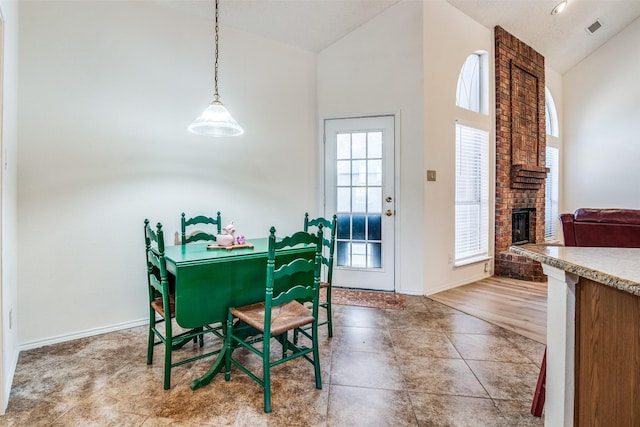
[520, 226]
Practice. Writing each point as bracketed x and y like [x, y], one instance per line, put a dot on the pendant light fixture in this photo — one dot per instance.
[216, 120]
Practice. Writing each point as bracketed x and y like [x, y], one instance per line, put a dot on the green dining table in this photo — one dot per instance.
[209, 281]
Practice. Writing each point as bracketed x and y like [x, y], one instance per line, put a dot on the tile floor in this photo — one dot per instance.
[428, 365]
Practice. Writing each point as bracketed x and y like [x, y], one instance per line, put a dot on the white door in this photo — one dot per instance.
[359, 188]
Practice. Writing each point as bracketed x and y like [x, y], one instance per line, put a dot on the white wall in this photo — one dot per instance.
[378, 69]
[449, 37]
[9, 291]
[602, 125]
[107, 90]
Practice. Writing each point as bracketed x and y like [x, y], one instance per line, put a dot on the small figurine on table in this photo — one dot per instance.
[227, 238]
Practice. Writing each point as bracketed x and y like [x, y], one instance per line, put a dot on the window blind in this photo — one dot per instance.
[551, 195]
[472, 193]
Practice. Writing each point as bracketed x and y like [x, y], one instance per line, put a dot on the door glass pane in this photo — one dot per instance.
[374, 231]
[374, 145]
[358, 227]
[359, 145]
[342, 257]
[344, 227]
[359, 255]
[344, 199]
[344, 146]
[343, 171]
[374, 258]
[359, 174]
[359, 201]
[374, 200]
[374, 172]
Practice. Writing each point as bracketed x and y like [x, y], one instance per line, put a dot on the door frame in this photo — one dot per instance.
[322, 191]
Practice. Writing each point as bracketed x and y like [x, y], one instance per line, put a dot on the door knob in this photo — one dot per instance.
[388, 212]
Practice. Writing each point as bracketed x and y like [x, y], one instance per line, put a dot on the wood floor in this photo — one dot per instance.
[516, 305]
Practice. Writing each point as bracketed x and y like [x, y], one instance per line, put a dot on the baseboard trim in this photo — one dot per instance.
[83, 334]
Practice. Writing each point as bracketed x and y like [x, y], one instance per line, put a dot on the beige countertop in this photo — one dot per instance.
[615, 267]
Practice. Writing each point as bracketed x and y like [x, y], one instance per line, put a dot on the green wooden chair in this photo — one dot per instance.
[162, 296]
[329, 244]
[280, 312]
[199, 235]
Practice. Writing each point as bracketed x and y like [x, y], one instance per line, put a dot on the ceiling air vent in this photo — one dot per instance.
[594, 27]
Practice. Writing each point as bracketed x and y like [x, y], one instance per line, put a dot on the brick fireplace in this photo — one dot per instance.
[520, 155]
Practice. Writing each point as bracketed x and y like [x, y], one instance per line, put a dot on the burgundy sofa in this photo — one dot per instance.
[602, 227]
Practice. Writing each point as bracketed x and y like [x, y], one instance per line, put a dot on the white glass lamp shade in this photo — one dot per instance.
[215, 120]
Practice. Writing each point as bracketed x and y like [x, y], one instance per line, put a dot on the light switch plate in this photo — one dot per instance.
[431, 175]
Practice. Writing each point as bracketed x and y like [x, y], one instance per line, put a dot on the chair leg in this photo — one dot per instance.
[316, 355]
[284, 341]
[167, 365]
[152, 338]
[228, 350]
[537, 405]
[168, 346]
[266, 378]
[329, 317]
[200, 338]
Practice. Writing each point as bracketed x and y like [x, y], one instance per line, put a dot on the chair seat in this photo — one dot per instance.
[283, 317]
[158, 306]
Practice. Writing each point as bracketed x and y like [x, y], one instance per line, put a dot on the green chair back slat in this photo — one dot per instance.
[299, 291]
[199, 235]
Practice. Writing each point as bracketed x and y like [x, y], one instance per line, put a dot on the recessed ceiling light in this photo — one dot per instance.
[559, 7]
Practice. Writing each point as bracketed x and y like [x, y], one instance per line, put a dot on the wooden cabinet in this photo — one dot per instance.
[607, 359]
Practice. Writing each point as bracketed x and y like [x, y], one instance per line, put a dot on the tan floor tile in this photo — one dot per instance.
[423, 343]
[415, 303]
[487, 347]
[293, 403]
[97, 414]
[355, 406]
[456, 411]
[365, 369]
[33, 412]
[530, 348]
[440, 376]
[518, 413]
[465, 324]
[344, 315]
[217, 403]
[505, 380]
[408, 320]
[438, 309]
[362, 339]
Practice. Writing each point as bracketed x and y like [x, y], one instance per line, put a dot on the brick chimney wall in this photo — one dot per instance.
[520, 150]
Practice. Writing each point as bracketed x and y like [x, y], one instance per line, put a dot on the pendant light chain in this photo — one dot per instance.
[216, 95]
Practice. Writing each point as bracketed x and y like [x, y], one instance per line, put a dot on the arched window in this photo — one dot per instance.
[472, 91]
[472, 163]
[550, 113]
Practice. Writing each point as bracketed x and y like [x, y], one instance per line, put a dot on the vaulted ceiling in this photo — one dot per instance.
[313, 25]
